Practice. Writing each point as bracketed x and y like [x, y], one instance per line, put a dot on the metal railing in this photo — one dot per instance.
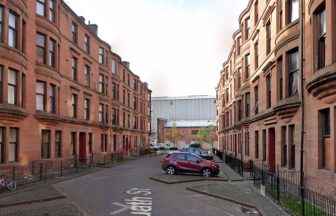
[284, 188]
[44, 169]
[236, 164]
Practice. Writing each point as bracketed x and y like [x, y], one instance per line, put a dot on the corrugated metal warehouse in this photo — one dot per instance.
[196, 107]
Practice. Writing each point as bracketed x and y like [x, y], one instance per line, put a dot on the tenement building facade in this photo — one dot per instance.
[264, 91]
[63, 92]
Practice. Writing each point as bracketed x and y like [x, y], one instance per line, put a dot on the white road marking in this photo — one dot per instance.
[124, 208]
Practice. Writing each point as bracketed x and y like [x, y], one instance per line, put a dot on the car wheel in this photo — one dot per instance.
[206, 172]
[170, 170]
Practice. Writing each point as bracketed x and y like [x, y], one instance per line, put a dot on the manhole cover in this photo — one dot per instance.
[249, 211]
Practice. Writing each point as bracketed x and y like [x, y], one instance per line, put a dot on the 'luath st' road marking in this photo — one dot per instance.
[139, 205]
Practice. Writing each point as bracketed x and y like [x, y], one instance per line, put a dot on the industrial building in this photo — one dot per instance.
[188, 114]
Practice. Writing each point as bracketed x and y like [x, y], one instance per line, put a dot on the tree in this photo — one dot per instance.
[212, 135]
[186, 137]
[207, 134]
[203, 135]
[174, 134]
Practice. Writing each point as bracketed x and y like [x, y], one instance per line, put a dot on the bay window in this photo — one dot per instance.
[41, 7]
[52, 10]
[13, 30]
[293, 10]
[52, 98]
[321, 37]
[41, 48]
[293, 68]
[12, 86]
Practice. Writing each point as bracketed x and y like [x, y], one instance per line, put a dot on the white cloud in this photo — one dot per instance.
[177, 46]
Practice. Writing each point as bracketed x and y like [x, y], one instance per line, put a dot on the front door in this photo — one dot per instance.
[271, 149]
[82, 147]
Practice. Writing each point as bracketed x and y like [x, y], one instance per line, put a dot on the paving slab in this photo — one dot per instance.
[58, 210]
[243, 193]
[227, 170]
[37, 194]
[174, 179]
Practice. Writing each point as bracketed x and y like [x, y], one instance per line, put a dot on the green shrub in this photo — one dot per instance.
[195, 145]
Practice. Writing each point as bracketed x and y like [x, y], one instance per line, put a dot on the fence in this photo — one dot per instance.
[284, 188]
[236, 164]
[218, 153]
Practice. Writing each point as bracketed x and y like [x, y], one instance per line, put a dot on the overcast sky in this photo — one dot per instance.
[176, 46]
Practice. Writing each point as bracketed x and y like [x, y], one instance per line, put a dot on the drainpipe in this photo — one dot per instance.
[302, 18]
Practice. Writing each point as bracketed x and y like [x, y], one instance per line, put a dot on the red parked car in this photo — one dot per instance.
[190, 163]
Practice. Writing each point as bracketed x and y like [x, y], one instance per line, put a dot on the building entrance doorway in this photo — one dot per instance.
[271, 149]
[82, 147]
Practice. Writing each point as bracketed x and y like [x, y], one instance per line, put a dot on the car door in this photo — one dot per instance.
[181, 162]
[194, 163]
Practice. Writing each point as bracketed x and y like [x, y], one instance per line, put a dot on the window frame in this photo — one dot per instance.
[87, 74]
[74, 68]
[41, 95]
[101, 55]
[52, 11]
[14, 144]
[42, 3]
[45, 144]
[256, 148]
[58, 144]
[13, 29]
[256, 55]
[52, 98]
[247, 66]
[256, 12]
[74, 33]
[247, 28]
[268, 37]
[90, 143]
[41, 48]
[73, 144]
[52, 52]
[280, 77]
[2, 144]
[1, 83]
[87, 103]
[290, 16]
[87, 43]
[247, 105]
[13, 86]
[239, 78]
[321, 37]
[2, 17]
[268, 91]
[292, 72]
[74, 105]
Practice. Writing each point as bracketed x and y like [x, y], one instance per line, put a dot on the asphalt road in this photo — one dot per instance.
[127, 190]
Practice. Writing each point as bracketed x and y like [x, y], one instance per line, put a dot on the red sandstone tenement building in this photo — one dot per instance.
[63, 92]
[259, 93]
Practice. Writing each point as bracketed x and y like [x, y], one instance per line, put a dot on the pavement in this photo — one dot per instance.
[227, 171]
[243, 193]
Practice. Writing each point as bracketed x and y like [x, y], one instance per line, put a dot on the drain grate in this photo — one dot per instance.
[249, 211]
